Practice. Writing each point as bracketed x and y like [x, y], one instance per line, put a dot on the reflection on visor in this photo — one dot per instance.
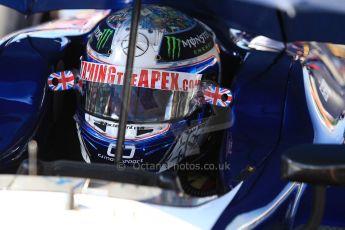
[146, 105]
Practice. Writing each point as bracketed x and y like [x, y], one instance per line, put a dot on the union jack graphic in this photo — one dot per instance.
[217, 96]
[61, 81]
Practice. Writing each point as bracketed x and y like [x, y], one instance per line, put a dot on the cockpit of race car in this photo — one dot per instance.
[199, 100]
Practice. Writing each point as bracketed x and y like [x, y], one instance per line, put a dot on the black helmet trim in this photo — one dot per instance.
[101, 39]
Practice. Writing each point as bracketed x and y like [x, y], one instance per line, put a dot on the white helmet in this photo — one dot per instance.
[168, 43]
[166, 38]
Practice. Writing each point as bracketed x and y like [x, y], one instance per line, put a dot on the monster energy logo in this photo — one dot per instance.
[174, 47]
[103, 38]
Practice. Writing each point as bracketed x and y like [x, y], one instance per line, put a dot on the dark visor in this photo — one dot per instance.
[146, 105]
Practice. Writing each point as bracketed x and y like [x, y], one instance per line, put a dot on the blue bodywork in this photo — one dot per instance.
[23, 92]
[224, 14]
[269, 111]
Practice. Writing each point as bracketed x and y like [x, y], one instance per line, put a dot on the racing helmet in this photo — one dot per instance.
[173, 53]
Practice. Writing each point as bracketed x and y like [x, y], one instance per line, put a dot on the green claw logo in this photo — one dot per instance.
[174, 47]
[104, 38]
